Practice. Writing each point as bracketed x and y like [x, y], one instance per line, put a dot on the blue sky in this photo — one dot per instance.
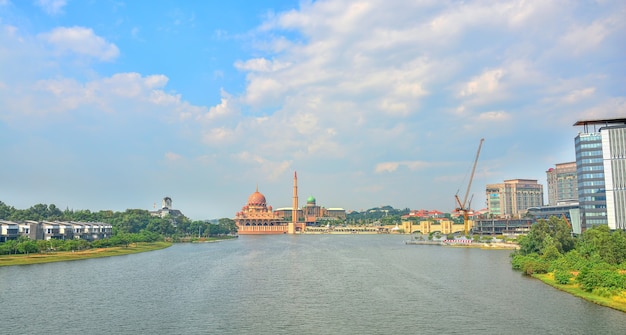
[117, 104]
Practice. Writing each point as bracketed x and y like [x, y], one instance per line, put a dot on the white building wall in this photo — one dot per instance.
[614, 162]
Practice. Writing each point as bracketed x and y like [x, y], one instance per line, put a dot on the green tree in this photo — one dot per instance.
[28, 246]
[5, 211]
[609, 246]
[554, 232]
[227, 226]
[42, 246]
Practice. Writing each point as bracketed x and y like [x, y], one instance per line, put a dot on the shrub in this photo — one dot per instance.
[591, 279]
[562, 277]
[535, 266]
[529, 264]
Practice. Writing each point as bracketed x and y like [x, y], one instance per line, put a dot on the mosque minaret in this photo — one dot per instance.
[294, 206]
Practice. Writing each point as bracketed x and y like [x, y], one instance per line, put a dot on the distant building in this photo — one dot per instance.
[562, 183]
[61, 230]
[601, 173]
[512, 198]
[499, 226]
[256, 218]
[166, 209]
[314, 214]
[423, 214]
[433, 225]
[8, 230]
[570, 211]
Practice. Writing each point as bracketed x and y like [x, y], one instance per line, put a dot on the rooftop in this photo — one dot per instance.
[600, 121]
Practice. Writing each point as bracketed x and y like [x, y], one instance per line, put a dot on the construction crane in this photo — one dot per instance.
[464, 207]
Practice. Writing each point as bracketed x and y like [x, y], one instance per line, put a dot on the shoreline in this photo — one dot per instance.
[617, 302]
[64, 256]
[480, 245]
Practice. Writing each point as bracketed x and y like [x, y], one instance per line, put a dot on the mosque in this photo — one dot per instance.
[256, 218]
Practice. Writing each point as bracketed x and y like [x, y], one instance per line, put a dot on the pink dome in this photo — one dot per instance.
[256, 199]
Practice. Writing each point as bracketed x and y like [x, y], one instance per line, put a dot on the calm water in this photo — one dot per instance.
[310, 284]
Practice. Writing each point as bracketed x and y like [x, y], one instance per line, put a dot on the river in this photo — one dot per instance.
[302, 284]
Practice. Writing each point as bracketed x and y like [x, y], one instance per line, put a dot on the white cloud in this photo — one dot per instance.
[217, 136]
[226, 107]
[129, 93]
[608, 108]
[494, 116]
[583, 38]
[578, 95]
[173, 157]
[80, 41]
[263, 91]
[411, 165]
[486, 83]
[260, 65]
[51, 7]
[271, 170]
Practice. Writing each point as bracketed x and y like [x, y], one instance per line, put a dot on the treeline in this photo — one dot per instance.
[131, 221]
[386, 215]
[596, 260]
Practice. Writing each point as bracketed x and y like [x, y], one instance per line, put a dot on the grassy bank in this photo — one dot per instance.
[62, 256]
[617, 302]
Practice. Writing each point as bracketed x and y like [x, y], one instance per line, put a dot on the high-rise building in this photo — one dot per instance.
[590, 174]
[601, 172]
[513, 197]
[562, 183]
[614, 159]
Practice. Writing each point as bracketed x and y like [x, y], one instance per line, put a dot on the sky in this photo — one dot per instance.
[112, 105]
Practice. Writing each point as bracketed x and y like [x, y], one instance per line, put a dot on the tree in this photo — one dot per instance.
[554, 232]
[27, 246]
[609, 246]
[42, 246]
[227, 226]
[54, 213]
[5, 211]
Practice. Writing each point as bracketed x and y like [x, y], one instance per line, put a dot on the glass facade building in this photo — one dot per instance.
[590, 174]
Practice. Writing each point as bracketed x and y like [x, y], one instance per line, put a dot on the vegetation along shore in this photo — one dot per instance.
[591, 266]
[61, 256]
[133, 231]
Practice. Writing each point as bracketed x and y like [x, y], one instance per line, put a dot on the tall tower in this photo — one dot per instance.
[294, 210]
[590, 177]
[601, 167]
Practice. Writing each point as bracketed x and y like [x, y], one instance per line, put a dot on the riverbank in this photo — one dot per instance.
[617, 302]
[203, 239]
[62, 256]
[481, 245]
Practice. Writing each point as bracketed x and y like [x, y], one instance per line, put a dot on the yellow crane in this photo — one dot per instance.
[464, 207]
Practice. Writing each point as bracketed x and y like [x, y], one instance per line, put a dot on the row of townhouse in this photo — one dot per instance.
[46, 230]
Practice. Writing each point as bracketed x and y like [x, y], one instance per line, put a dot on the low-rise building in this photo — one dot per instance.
[46, 230]
[8, 230]
[441, 225]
